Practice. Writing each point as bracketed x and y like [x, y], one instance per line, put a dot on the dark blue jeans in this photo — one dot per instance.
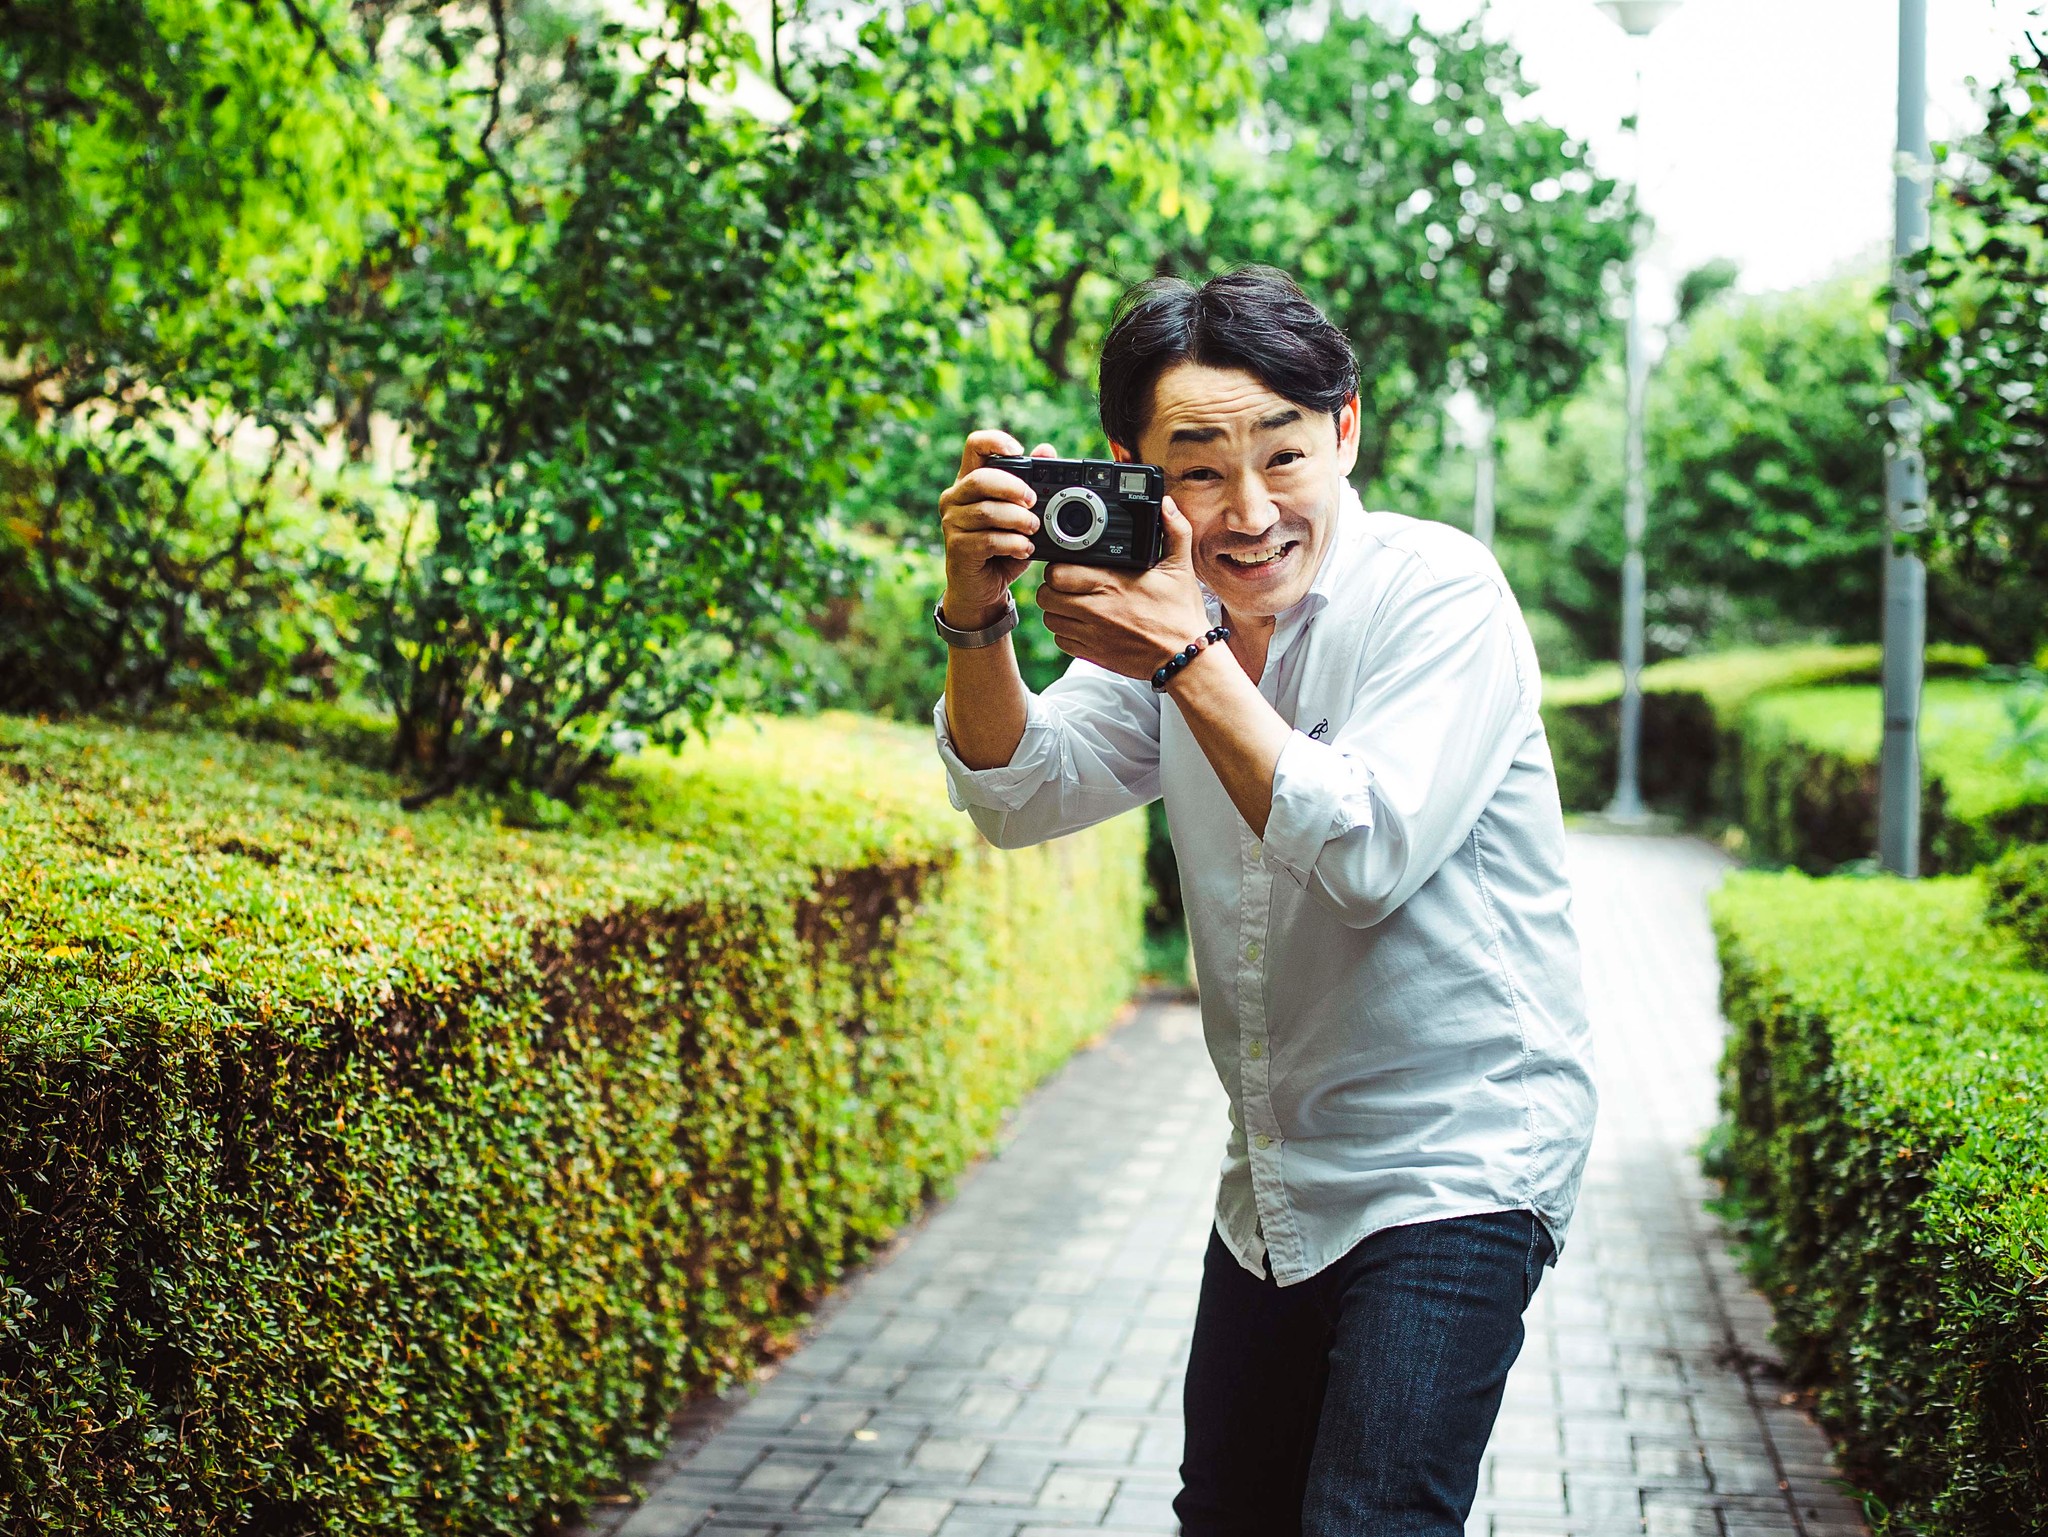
[1357, 1403]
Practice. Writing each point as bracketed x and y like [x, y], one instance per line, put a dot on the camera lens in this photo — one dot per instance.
[1075, 518]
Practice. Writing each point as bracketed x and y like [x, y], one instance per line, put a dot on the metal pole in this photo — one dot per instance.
[1483, 483]
[1905, 487]
[1627, 805]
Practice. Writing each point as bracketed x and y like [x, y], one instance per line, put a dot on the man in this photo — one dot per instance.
[1372, 856]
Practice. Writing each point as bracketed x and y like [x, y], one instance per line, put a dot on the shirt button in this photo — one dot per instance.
[1263, 1141]
[1251, 952]
[1257, 1049]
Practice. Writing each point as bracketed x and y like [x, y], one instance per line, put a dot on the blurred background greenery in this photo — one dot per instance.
[544, 378]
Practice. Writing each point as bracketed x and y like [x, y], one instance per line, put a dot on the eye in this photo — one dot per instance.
[1285, 457]
[1200, 472]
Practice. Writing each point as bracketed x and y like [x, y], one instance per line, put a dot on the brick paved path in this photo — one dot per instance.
[1013, 1368]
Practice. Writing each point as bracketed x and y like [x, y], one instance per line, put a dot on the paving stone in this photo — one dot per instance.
[909, 1513]
[1013, 1367]
[950, 1457]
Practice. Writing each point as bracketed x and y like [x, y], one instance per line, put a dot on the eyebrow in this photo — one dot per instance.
[1211, 434]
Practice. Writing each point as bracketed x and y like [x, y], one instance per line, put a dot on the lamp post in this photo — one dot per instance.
[1905, 482]
[1638, 18]
[1485, 469]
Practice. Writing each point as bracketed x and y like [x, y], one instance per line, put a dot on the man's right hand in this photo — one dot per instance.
[988, 521]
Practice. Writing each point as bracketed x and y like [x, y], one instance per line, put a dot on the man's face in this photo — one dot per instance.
[1256, 475]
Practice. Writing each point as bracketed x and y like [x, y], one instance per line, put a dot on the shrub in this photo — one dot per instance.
[882, 653]
[1689, 705]
[130, 571]
[1978, 368]
[1885, 1078]
[369, 1172]
[2016, 898]
[1807, 793]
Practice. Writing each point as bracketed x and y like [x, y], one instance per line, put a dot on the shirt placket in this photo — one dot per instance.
[1254, 1051]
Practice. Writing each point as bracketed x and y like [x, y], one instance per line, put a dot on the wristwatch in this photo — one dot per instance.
[972, 640]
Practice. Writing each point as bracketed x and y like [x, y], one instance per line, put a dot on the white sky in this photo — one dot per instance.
[1768, 125]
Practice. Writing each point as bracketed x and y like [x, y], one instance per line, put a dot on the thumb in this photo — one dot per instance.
[1180, 536]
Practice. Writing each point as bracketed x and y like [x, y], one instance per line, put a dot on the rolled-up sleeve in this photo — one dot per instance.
[1090, 751]
[1446, 697]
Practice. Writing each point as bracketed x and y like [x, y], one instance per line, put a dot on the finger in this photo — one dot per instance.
[1180, 535]
[972, 517]
[986, 485]
[1045, 451]
[993, 547]
[1077, 580]
[982, 443]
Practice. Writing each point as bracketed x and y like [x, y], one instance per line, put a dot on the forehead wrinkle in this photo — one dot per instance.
[1224, 414]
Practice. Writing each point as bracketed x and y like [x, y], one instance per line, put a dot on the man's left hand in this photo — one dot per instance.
[1128, 622]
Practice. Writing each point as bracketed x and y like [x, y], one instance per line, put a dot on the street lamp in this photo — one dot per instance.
[1638, 18]
[1471, 423]
[1905, 487]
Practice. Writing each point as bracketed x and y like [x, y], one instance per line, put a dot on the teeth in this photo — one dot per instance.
[1259, 560]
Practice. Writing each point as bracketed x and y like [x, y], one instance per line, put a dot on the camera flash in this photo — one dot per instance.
[1134, 483]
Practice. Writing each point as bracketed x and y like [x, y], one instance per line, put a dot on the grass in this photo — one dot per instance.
[1963, 724]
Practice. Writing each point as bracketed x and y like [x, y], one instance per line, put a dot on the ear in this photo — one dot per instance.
[1121, 454]
[1348, 424]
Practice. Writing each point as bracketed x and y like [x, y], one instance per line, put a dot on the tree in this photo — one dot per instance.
[1454, 239]
[633, 420]
[176, 174]
[1766, 490]
[1768, 512]
[1980, 372]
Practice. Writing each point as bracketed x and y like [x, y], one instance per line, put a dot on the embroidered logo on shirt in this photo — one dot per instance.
[1321, 726]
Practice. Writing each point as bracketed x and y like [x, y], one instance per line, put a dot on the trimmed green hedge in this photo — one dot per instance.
[2016, 899]
[1887, 1083]
[373, 1172]
[1783, 744]
[1809, 769]
[1690, 709]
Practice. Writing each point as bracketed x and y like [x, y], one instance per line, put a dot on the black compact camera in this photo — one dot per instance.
[1094, 512]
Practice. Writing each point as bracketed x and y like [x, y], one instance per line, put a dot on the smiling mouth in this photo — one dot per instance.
[1254, 560]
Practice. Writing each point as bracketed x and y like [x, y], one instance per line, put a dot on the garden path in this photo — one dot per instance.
[1011, 1368]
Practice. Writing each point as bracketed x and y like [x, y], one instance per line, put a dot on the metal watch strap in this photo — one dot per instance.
[973, 640]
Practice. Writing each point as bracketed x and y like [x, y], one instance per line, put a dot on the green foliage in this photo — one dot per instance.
[375, 1172]
[1981, 372]
[1768, 507]
[622, 487]
[1886, 1078]
[130, 569]
[1692, 711]
[2016, 899]
[1783, 745]
[1452, 238]
[882, 653]
[1766, 485]
[1809, 776]
[177, 173]
[639, 418]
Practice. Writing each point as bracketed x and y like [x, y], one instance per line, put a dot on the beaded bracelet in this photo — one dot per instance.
[1187, 654]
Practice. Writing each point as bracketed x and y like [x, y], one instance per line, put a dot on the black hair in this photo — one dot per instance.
[1253, 318]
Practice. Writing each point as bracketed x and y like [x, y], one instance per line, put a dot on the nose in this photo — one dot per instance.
[1251, 511]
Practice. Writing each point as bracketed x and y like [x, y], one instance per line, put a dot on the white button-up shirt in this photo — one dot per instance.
[1390, 979]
